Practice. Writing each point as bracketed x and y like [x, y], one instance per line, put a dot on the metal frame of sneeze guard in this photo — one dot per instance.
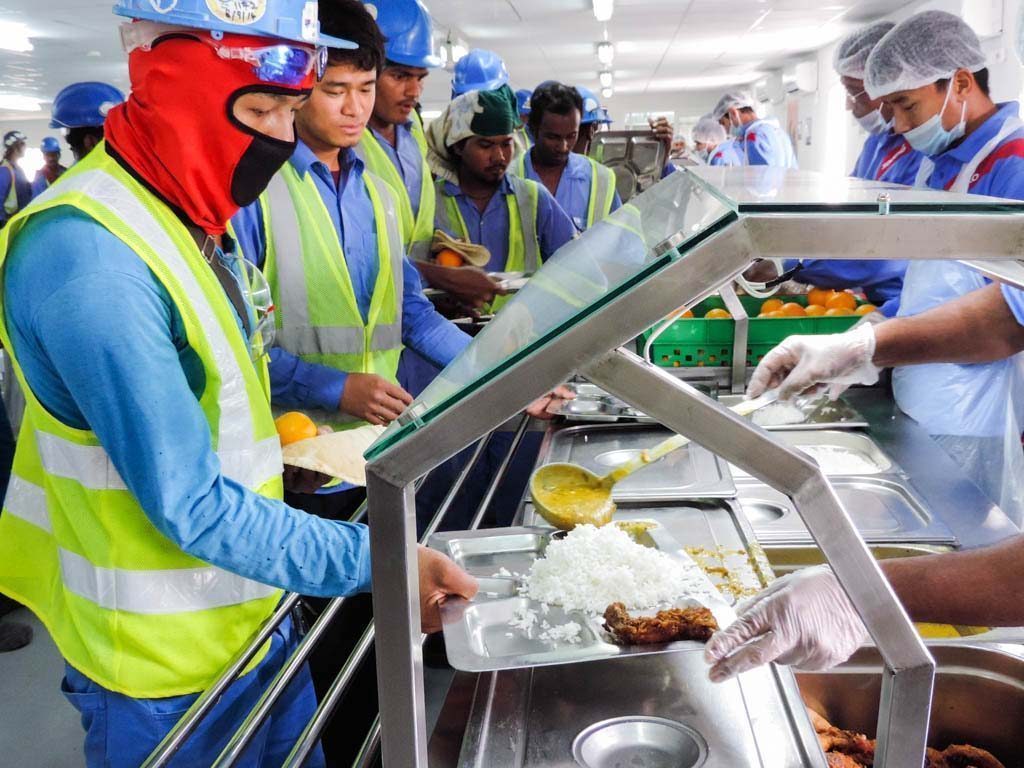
[893, 231]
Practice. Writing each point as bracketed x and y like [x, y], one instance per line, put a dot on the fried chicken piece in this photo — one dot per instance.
[856, 746]
[666, 627]
[839, 760]
[962, 756]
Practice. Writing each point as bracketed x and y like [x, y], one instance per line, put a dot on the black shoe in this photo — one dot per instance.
[14, 635]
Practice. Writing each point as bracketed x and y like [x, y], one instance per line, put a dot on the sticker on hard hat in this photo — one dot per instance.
[310, 21]
[371, 9]
[238, 11]
[163, 6]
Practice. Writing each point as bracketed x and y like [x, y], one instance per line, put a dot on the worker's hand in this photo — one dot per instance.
[801, 363]
[663, 132]
[544, 407]
[762, 271]
[300, 480]
[470, 285]
[440, 578]
[804, 620]
[373, 398]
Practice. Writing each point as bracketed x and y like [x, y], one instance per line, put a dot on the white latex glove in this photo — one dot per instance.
[804, 620]
[800, 363]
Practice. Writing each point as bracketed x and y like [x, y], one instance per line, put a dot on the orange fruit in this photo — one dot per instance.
[771, 305]
[819, 296]
[841, 300]
[294, 426]
[677, 314]
[838, 312]
[792, 309]
[448, 258]
[776, 313]
[717, 314]
[865, 309]
[814, 310]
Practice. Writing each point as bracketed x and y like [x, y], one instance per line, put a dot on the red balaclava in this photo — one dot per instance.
[178, 133]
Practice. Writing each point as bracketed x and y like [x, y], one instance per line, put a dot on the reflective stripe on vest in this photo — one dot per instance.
[124, 604]
[602, 192]
[523, 243]
[602, 187]
[315, 303]
[11, 201]
[418, 227]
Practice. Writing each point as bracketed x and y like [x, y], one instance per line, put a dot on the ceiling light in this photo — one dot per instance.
[603, 9]
[19, 103]
[14, 37]
[606, 53]
[606, 93]
[605, 78]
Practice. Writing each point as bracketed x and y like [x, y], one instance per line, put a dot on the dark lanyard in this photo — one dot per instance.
[228, 281]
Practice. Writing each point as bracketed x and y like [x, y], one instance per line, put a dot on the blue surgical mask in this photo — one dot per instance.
[930, 138]
[874, 123]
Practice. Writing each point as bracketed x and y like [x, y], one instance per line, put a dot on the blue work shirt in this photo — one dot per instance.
[24, 186]
[407, 159]
[887, 157]
[490, 228]
[765, 143]
[298, 384]
[104, 348]
[573, 192]
[728, 152]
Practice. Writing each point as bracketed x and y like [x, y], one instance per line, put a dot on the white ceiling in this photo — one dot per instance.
[661, 45]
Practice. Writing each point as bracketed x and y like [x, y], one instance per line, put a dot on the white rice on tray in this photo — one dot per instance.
[592, 568]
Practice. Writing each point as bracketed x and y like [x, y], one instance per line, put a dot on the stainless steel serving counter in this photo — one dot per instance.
[532, 717]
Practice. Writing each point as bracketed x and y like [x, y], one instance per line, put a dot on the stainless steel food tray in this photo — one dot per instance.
[838, 453]
[478, 633]
[690, 472]
[594, 406]
[883, 507]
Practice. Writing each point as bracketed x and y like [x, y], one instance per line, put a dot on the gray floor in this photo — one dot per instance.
[38, 727]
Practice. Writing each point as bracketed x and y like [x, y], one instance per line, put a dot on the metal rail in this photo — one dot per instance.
[310, 735]
[499, 475]
[371, 747]
[206, 701]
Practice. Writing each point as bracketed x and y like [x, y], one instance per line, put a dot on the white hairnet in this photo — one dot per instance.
[708, 131]
[733, 100]
[928, 47]
[852, 52]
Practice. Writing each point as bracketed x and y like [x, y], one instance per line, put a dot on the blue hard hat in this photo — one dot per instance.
[50, 144]
[410, 35]
[591, 106]
[479, 70]
[82, 105]
[523, 101]
[605, 118]
[294, 20]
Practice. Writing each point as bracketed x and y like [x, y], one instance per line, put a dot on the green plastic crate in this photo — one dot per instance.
[696, 342]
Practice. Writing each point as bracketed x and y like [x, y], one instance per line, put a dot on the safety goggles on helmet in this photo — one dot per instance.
[286, 64]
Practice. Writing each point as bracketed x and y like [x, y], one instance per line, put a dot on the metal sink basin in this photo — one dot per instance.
[979, 697]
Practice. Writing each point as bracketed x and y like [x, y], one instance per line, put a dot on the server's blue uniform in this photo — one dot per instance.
[887, 157]
[765, 143]
[728, 152]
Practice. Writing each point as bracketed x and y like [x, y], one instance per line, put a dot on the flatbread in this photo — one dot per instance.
[337, 454]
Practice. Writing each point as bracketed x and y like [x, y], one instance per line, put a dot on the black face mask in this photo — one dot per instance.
[261, 161]
[263, 158]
